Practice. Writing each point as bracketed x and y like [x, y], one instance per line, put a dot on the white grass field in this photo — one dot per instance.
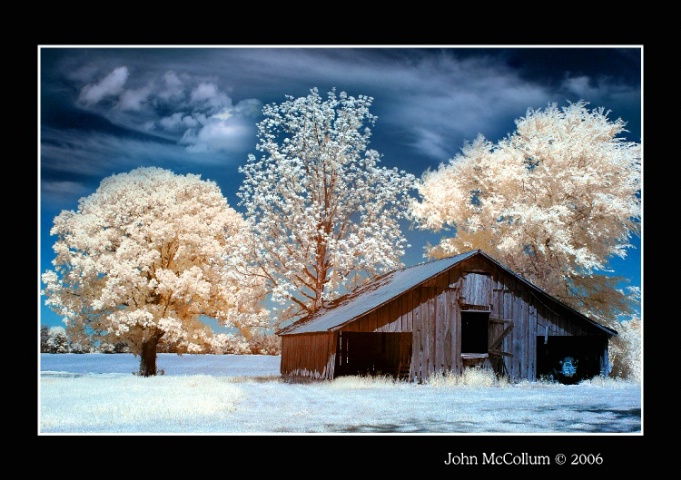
[244, 394]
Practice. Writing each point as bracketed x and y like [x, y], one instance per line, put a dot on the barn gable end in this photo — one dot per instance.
[444, 316]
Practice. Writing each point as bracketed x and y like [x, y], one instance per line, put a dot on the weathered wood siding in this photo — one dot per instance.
[477, 289]
[514, 302]
[432, 313]
[310, 355]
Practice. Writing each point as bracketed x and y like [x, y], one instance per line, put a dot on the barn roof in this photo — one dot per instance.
[389, 286]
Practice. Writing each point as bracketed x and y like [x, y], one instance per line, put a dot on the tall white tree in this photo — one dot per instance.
[554, 201]
[325, 213]
[145, 256]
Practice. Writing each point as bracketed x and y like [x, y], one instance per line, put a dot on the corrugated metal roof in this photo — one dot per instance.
[372, 295]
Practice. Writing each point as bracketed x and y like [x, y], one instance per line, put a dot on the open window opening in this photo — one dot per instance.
[474, 332]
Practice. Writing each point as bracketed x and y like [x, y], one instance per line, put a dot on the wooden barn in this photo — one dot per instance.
[445, 315]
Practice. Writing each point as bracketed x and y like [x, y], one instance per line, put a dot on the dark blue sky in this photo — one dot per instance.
[194, 110]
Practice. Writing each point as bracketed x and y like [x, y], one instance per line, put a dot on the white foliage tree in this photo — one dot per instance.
[226, 343]
[626, 353]
[554, 201]
[325, 213]
[57, 341]
[145, 256]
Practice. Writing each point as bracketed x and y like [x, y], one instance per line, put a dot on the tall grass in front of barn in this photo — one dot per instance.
[470, 377]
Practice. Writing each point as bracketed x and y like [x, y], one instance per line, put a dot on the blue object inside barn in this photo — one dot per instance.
[568, 367]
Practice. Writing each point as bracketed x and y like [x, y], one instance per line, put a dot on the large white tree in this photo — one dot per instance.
[555, 201]
[325, 213]
[145, 256]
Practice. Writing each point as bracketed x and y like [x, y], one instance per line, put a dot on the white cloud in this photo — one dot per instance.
[581, 86]
[432, 144]
[192, 111]
[173, 87]
[204, 91]
[223, 115]
[171, 122]
[133, 99]
[179, 121]
[251, 107]
[110, 85]
[218, 135]
[191, 122]
[207, 95]
[228, 130]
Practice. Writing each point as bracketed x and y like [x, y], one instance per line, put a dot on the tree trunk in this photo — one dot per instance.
[148, 357]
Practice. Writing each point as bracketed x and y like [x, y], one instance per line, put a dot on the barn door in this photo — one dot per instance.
[499, 330]
[373, 353]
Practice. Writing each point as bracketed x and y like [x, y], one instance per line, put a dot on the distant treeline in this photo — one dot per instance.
[56, 340]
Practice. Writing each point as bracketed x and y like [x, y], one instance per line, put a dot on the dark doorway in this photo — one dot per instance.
[570, 359]
[373, 353]
[474, 332]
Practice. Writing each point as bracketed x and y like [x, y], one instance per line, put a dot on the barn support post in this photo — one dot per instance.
[417, 344]
[455, 326]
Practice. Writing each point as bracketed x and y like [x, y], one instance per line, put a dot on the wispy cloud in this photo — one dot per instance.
[440, 102]
[178, 121]
[582, 86]
[433, 99]
[62, 191]
[111, 85]
[603, 92]
[98, 155]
